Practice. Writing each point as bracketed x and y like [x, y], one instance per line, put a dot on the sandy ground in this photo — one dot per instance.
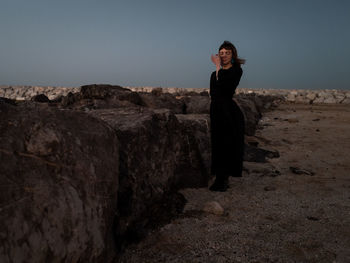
[271, 214]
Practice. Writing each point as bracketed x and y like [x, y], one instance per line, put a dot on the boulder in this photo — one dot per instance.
[159, 100]
[59, 173]
[318, 100]
[197, 104]
[330, 99]
[251, 114]
[301, 98]
[40, 98]
[7, 101]
[194, 166]
[101, 96]
[346, 101]
[158, 155]
[291, 97]
[311, 96]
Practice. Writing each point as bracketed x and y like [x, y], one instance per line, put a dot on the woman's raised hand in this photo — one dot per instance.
[216, 60]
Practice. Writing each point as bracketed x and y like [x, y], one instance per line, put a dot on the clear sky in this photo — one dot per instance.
[288, 44]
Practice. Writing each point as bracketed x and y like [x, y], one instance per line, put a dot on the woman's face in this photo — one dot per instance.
[225, 56]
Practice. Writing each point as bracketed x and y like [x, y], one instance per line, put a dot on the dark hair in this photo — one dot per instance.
[228, 45]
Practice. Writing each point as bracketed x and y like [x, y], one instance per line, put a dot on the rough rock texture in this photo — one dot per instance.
[58, 154]
[59, 176]
[157, 157]
[159, 100]
[196, 145]
[251, 114]
[101, 97]
[197, 104]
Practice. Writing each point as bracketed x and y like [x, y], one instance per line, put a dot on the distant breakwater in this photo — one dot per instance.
[328, 96]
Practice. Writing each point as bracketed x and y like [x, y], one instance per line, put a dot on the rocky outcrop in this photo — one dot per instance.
[87, 173]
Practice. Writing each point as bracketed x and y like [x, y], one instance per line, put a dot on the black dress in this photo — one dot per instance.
[226, 124]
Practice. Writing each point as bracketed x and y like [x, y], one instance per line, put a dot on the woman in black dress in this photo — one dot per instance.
[226, 118]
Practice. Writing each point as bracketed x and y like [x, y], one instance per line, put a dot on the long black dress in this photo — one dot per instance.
[227, 124]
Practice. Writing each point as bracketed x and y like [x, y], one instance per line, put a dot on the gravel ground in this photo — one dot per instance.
[271, 214]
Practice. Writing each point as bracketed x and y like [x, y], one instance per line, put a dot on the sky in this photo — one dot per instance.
[300, 44]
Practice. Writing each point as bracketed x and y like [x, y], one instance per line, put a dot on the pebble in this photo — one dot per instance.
[213, 207]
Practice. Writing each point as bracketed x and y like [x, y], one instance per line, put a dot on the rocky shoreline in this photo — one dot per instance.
[294, 208]
[328, 96]
[88, 173]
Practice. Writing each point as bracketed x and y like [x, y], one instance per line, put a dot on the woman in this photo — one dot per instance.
[226, 118]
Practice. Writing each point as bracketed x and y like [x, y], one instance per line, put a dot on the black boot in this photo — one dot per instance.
[220, 185]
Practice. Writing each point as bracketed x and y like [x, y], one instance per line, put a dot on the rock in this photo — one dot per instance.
[261, 169]
[330, 99]
[291, 97]
[255, 154]
[101, 96]
[158, 155]
[8, 101]
[197, 104]
[157, 91]
[251, 140]
[311, 96]
[270, 173]
[301, 98]
[251, 114]
[163, 101]
[196, 145]
[346, 101]
[297, 170]
[318, 100]
[213, 207]
[204, 93]
[267, 105]
[40, 98]
[339, 98]
[60, 169]
[322, 94]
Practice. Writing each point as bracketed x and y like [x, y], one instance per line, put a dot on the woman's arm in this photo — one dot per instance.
[217, 62]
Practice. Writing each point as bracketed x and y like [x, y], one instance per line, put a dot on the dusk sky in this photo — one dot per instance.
[300, 44]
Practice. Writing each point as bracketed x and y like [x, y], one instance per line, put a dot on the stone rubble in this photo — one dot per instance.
[328, 96]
